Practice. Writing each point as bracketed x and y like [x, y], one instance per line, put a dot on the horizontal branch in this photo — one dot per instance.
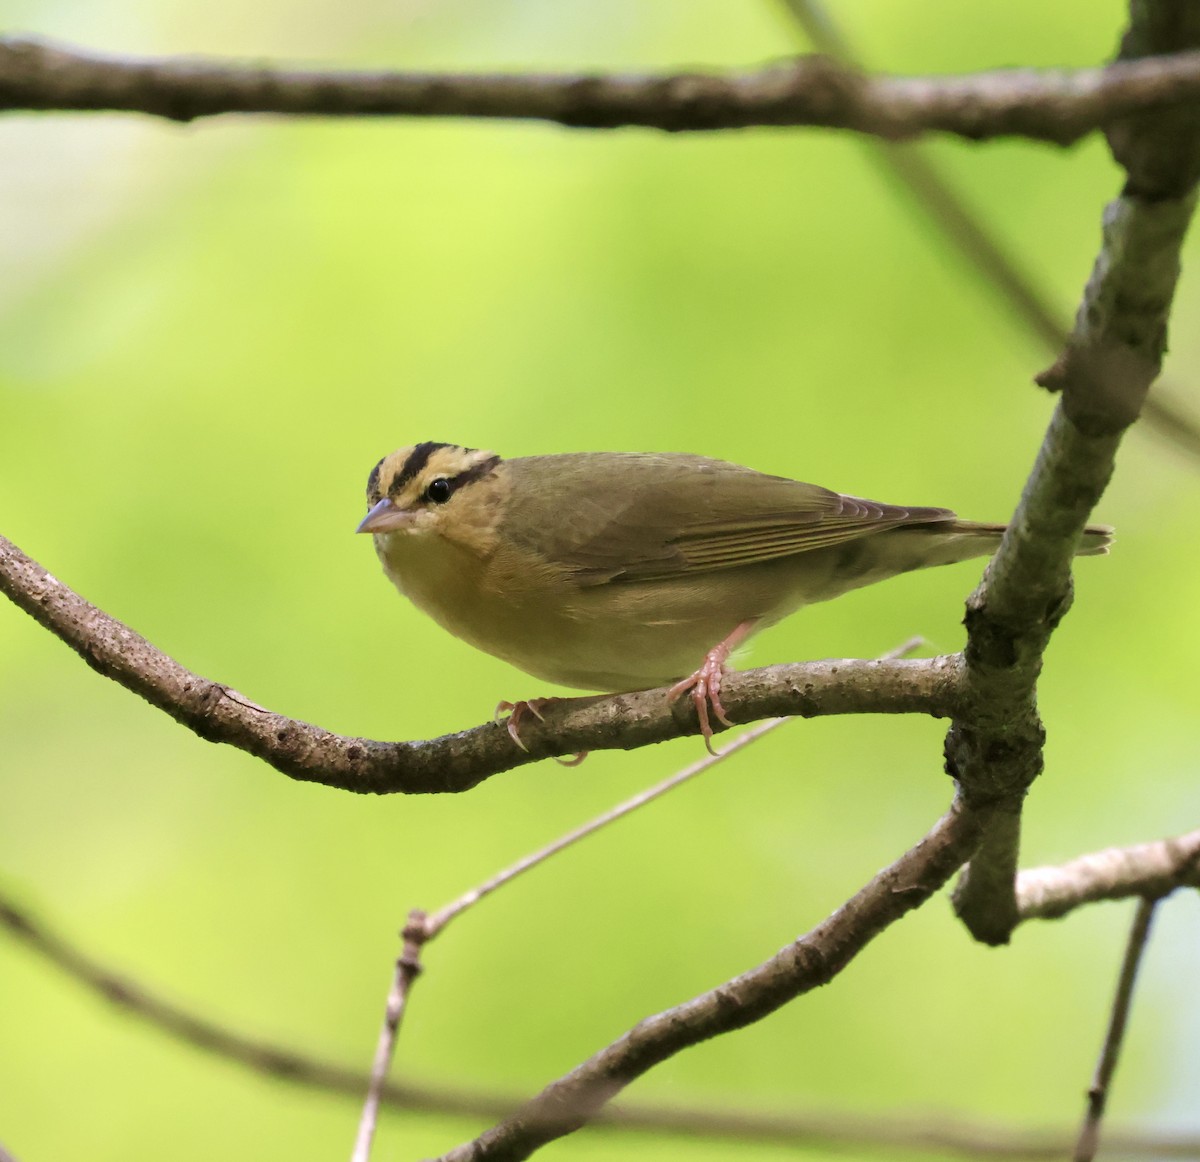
[457, 762]
[1145, 869]
[1058, 106]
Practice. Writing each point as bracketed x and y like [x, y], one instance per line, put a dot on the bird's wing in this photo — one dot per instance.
[647, 517]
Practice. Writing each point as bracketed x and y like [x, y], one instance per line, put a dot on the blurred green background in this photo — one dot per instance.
[209, 334]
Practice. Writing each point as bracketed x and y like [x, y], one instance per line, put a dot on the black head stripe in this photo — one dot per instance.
[417, 459]
[373, 481]
[475, 472]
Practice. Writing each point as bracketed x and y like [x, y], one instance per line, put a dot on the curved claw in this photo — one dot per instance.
[574, 760]
[704, 689]
[517, 711]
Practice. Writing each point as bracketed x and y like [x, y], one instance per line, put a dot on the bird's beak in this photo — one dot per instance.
[384, 517]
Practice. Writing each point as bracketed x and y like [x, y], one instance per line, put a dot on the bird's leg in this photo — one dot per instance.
[705, 684]
[517, 710]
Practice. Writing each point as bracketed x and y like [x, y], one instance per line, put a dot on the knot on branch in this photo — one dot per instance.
[1105, 384]
[996, 762]
[202, 700]
[997, 643]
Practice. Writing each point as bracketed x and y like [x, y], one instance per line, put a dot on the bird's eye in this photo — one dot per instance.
[439, 490]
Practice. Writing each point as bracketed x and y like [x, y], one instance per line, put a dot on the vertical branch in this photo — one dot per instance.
[1113, 355]
[1109, 360]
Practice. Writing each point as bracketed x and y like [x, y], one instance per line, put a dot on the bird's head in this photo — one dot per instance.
[431, 488]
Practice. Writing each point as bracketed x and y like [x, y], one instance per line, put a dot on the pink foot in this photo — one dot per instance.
[704, 686]
[517, 711]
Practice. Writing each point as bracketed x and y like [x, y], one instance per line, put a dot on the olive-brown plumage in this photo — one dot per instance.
[617, 571]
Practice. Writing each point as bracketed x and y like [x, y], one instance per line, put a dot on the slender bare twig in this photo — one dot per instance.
[1139, 935]
[1057, 106]
[947, 211]
[436, 921]
[459, 761]
[408, 968]
[814, 1129]
[421, 927]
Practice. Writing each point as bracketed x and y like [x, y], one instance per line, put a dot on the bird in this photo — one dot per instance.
[620, 571]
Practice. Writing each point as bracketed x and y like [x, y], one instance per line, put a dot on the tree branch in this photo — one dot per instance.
[1056, 106]
[1146, 869]
[457, 762]
[1115, 351]
[812, 960]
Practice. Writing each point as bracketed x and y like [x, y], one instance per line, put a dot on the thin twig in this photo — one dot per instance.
[439, 919]
[421, 928]
[1139, 935]
[408, 968]
[946, 209]
[1057, 106]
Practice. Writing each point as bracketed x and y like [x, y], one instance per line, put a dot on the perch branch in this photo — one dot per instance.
[1058, 106]
[457, 762]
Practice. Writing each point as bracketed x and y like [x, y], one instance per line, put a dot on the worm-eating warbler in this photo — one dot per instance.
[617, 571]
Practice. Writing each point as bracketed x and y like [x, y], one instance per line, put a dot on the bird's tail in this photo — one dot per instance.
[1097, 539]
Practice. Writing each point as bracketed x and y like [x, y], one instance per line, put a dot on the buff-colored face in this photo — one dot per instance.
[417, 489]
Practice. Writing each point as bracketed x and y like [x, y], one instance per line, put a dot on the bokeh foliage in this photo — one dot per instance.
[207, 337]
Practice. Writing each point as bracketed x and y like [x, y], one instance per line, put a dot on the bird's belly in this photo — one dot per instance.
[629, 635]
[587, 644]
[609, 637]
